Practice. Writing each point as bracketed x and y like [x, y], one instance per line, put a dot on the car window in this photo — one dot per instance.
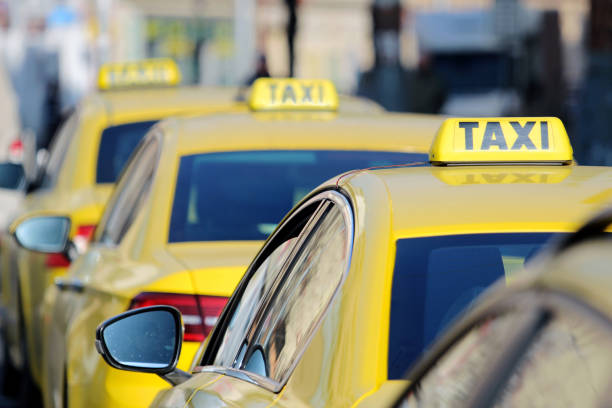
[308, 286]
[250, 302]
[228, 338]
[568, 365]
[116, 145]
[208, 206]
[436, 278]
[452, 381]
[59, 149]
[130, 193]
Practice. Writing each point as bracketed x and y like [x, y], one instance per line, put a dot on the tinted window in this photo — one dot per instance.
[308, 287]
[569, 365]
[116, 145]
[130, 193]
[251, 299]
[435, 278]
[243, 195]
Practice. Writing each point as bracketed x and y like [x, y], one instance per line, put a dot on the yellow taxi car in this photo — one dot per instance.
[191, 209]
[86, 158]
[542, 340]
[366, 271]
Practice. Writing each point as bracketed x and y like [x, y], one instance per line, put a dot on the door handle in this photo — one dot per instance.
[73, 285]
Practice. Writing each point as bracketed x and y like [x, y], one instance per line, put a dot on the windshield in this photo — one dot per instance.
[116, 145]
[435, 278]
[243, 195]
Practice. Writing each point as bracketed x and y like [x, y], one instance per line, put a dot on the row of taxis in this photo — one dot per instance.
[346, 292]
[371, 267]
[195, 200]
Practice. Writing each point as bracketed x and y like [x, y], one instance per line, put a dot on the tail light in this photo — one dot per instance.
[200, 313]
[57, 261]
[81, 240]
[83, 235]
[16, 150]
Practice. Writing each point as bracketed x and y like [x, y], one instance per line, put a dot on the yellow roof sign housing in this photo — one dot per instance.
[288, 94]
[541, 140]
[151, 72]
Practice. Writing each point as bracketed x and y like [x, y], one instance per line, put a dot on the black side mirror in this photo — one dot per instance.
[46, 233]
[146, 340]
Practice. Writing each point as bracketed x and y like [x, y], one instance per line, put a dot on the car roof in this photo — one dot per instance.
[121, 105]
[427, 201]
[276, 130]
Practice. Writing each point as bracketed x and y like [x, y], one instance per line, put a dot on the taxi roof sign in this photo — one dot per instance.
[289, 94]
[150, 72]
[536, 140]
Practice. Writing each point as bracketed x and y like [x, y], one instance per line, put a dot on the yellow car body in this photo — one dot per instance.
[320, 334]
[71, 186]
[110, 277]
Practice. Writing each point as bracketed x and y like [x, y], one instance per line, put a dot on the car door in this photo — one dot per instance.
[544, 350]
[68, 296]
[276, 309]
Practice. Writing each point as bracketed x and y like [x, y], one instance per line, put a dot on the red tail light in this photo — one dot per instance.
[81, 240]
[199, 312]
[83, 235]
[57, 261]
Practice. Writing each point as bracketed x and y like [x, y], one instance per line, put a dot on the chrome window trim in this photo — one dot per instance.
[247, 376]
[341, 201]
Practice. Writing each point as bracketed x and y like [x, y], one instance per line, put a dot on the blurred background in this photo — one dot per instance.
[454, 57]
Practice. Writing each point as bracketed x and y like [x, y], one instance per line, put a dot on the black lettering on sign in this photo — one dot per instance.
[544, 134]
[307, 93]
[494, 178]
[493, 136]
[523, 136]
[273, 93]
[469, 135]
[321, 96]
[288, 93]
[523, 178]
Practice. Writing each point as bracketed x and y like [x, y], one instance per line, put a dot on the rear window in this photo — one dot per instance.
[435, 278]
[243, 195]
[116, 145]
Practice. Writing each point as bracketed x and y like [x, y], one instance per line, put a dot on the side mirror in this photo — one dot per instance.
[48, 234]
[146, 340]
[11, 176]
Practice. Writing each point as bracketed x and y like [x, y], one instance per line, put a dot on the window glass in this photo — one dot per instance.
[116, 145]
[435, 278]
[243, 195]
[129, 194]
[569, 365]
[307, 290]
[258, 286]
[453, 380]
[58, 150]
